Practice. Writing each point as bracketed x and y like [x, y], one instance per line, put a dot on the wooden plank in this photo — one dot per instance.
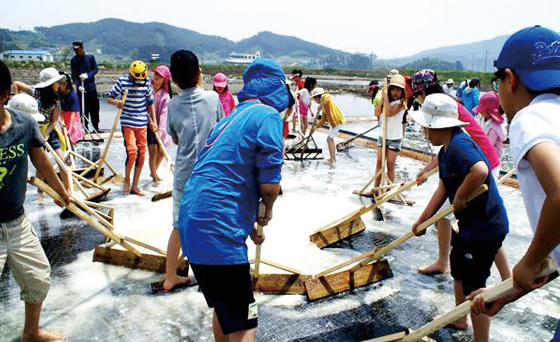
[331, 284]
[334, 234]
[161, 195]
[282, 284]
[148, 262]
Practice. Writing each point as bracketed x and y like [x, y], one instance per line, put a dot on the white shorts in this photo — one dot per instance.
[333, 132]
[21, 248]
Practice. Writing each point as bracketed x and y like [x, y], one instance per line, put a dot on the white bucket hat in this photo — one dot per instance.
[438, 111]
[47, 77]
[317, 92]
[449, 81]
[26, 104]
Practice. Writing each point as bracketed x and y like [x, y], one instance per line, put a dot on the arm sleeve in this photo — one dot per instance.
[169, 125]
[149, 95]
[93, 70]
[116, 90]
[269, 157]
[162, 116]
[465, 155]
[74, 73]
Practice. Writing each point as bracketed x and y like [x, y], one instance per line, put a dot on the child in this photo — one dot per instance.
[304, 96]
[134, 119]
[19, 246]
[374, 91]
[70, 109]
[489, 108]
[161, 85]
[46, 93]
[296, 77]
[471, 95]
[529, 84]
[192, 115]
[221, 87]
[393, 105]
[483, 223]
[332, 114]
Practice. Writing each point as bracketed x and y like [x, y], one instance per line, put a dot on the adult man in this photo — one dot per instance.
[529, 84]
[448, 87]
[239, 166]
[19, 246]
[84, 68]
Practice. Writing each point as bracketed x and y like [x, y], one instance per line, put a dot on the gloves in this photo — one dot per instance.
[81, 89]
[83, 76]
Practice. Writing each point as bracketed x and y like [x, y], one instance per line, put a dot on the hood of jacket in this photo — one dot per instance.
[264, 79]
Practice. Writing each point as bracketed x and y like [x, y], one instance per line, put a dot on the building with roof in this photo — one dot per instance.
[27, 55]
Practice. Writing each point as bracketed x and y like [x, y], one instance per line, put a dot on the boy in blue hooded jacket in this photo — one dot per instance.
[239, 166]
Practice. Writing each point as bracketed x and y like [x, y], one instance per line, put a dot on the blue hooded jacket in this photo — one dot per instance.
[265, 80]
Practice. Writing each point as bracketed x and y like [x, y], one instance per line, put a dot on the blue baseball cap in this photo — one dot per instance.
[534, 54]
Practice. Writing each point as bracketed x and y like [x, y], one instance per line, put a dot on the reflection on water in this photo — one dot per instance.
[98, 302]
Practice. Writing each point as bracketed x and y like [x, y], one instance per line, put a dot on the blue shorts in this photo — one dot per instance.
[392, 144]
[54, 141]
[151, 137]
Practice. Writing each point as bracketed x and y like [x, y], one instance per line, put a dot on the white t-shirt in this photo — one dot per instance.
[394, 123]
[539, 122]
[305, 96]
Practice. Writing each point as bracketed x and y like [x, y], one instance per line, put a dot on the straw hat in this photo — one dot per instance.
[317, 92]
[438, 111]
[47, 77]
[24, 103]
[398, 81]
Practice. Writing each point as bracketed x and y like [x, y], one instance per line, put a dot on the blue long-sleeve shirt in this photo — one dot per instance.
[81, 64]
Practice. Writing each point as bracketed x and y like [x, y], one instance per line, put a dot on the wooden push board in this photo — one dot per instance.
[282, 284]
[334, 234]
[334, 283]
[148, 262]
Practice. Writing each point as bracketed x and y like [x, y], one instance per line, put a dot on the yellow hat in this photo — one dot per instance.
[138, 70]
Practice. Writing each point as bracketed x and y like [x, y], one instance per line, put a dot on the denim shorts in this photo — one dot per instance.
[392, 144]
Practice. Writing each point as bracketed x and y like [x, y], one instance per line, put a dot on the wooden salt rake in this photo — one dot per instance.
[292, 283]
[352, 223]
[463, 309]
[369, 267]
[98, 165]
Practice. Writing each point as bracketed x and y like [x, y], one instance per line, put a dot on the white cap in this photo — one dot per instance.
[47, 77]
[450, 81]
[317, 92]
[25, 103]
[438, 111]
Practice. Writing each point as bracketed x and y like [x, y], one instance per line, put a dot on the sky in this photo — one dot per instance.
[391, 28]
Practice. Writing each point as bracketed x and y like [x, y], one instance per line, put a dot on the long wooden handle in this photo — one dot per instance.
[506, 176]
[110, 139]
[346, 142]
[165, 154]
[464, 308]
[262, 210]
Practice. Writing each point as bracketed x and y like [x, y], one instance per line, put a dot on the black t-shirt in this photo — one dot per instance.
[14, 149]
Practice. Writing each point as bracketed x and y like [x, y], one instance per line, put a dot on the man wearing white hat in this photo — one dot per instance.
[483, 222]
[19, 246]
[448, 87]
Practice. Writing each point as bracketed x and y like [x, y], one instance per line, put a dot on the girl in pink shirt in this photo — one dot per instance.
[489, 108]
[162, 94]
[221, 87]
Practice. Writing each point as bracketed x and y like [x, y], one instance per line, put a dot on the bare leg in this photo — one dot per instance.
[31, 331]
[126, 182]
[243, 335]
[391, 160]
[444, 242]
[217, 329]
[152, 157]
[461, 323]
[134, 189]
[481, 323]
[171, 277]
[502, 263]
[304, 125]
[332, 150]
[159, 159]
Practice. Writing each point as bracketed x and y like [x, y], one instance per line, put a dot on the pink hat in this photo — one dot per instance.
[220, 80]
[490, 103]
[164, 72]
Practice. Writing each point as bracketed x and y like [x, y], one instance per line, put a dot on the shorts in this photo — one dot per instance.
[151, 137]
[471, 263]
[333, 132]
[392, 144]
[229, 290]
[177, 195]
[54, 141]
[285, 129]
[21, 248]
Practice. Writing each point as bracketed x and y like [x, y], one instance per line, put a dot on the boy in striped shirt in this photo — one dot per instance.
[134, 119]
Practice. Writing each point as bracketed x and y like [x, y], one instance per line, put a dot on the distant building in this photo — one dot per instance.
[154, 57]
[241, 59]
[27, 55]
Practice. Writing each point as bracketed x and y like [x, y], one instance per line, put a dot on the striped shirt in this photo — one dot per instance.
[135, 110]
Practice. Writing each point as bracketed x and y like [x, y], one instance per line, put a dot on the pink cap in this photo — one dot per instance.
[220, 80]
[490, 103]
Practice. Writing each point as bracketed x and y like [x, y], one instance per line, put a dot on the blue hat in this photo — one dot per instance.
[264, 79]
[534, 55]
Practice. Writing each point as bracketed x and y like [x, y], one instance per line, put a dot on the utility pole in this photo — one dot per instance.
[472, 67]
[485, 57]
